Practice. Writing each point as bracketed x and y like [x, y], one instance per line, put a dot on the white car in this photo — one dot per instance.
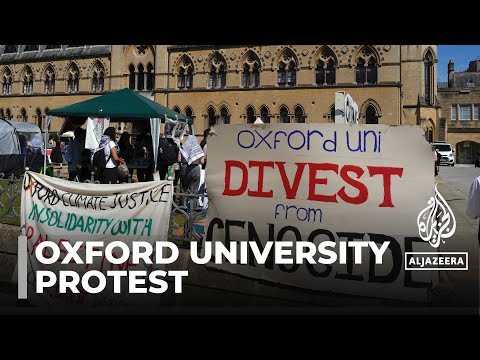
[448, 154]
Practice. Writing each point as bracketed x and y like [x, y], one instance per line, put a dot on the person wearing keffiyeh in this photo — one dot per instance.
[192, 156]
[191, 150]
[109, 147]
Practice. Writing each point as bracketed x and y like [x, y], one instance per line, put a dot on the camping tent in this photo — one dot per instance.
[21, 146]
[125, 105]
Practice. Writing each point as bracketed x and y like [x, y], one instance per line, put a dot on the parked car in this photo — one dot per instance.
[448, 154]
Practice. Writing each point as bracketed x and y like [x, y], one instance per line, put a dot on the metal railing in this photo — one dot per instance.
[186, 219]
[10, 196]
[188, 210]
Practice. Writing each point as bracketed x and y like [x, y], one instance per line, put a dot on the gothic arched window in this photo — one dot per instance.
[211, 117]
[224, 117]
[429, 76]
[185, 73]
[299, 115]
[250, 115]
[7, 82]
[39, 118]
[150, 76]
[325, 68]
[366, 67]
[251, 70]
[189, 112]
[49, 76]
[131, 77]
[73, 79]
[287, 69]
[23, 115]
[284, 115]
[141, 77]
[98, 77]
[218, 74]
[264, 114]
[27, 81]
[371, 115]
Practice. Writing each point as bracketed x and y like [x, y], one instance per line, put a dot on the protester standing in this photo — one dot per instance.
[127, 153]
[143, 154]
[56, 154]
[191, 156]
[109, 147]
[167, 155]
[73, 155]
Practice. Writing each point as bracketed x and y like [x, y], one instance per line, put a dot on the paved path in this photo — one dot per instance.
[462, 287]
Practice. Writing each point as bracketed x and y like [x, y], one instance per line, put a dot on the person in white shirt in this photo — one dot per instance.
[109, 146]
[473, 202]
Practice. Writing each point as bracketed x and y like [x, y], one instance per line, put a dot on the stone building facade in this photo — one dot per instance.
[391, 84]
[460, 101]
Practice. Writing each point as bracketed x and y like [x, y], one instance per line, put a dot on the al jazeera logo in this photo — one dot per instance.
[436, 223]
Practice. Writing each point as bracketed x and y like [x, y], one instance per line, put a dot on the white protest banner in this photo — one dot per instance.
[60, 211]
[348, 189]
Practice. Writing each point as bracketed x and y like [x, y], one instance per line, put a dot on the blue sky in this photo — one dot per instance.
[461, 55]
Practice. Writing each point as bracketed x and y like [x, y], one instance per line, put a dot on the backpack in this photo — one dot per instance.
[167, 152]
[100, 163]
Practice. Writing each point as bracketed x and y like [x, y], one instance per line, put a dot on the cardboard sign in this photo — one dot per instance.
[323, 182]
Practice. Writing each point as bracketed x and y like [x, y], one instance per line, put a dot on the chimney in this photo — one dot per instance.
[451, 71]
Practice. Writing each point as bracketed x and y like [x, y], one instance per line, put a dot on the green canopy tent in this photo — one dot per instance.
[123, 104]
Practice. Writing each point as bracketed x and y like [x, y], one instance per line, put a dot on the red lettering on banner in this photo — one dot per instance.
[261, 166]
[228, 173]
[291, 189]
[313, 167]
[387, 173]
[362, 189]
[30, 231]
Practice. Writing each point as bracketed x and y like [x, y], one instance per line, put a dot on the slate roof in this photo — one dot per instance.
[53, 54]
[466, 80]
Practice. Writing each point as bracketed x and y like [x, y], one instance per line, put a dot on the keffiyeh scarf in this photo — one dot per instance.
[191, 150]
